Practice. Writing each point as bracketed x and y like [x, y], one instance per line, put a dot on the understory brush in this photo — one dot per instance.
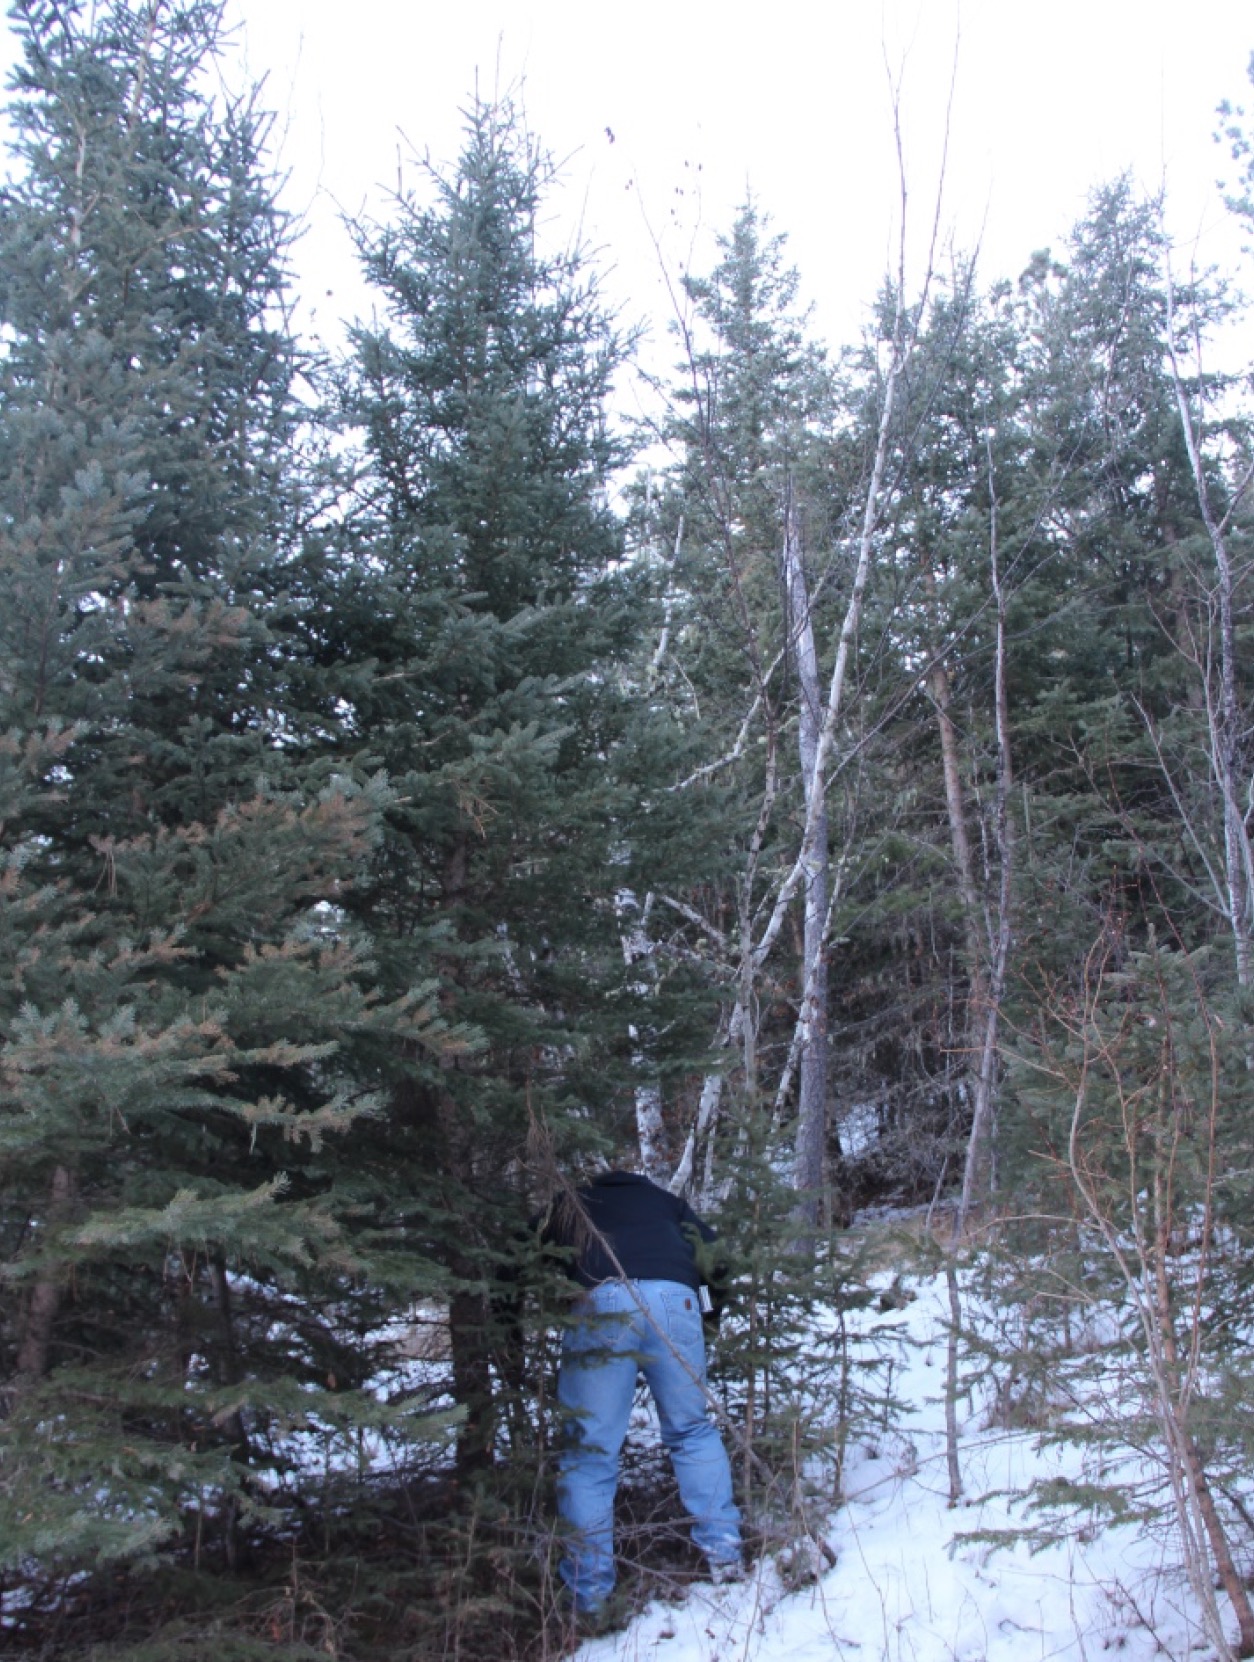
[387, 1551]
[1117, 1314]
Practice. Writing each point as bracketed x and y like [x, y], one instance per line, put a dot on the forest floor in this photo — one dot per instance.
[908, 1577]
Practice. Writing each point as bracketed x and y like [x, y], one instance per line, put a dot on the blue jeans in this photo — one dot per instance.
[618, 1328]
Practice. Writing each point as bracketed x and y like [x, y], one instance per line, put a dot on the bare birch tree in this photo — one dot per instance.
[767, 896]
[812, 1114]
[976, 1176]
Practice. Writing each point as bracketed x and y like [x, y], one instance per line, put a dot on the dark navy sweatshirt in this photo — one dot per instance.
[652, 1232]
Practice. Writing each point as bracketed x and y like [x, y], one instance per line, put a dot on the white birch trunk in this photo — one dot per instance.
[707, 1118]
[638, 949]
[812, 1114]
[977, 1170]
[816, 780]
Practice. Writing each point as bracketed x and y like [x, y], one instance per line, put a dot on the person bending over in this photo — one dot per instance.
[632, 1246]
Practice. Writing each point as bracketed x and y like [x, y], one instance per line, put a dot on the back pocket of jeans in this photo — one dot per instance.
[683, 1318]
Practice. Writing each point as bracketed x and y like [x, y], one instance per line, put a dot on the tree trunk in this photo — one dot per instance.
[45, 1298]
[1175, 1388]
[812, 1111]
[952, 1359]
[977, 1173]
[960, 843]
[638, 949]
[1226, 1569]
[707, 1111]
[228, 1369]
[468, 1313]
[472, 1382]
[816, 781]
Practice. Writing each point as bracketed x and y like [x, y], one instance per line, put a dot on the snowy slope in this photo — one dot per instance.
[905, 1587]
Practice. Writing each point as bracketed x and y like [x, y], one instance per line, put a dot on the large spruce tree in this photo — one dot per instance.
[477, 622]
[176, 970]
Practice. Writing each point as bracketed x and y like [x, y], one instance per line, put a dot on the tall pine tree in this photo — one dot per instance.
[477, 621]
[177, 971]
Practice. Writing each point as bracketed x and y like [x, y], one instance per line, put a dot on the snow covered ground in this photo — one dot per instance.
[906, 1586]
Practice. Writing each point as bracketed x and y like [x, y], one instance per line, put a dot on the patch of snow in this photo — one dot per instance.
[859, 1129]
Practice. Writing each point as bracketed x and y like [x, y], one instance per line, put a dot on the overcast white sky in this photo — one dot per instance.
[706, 99]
